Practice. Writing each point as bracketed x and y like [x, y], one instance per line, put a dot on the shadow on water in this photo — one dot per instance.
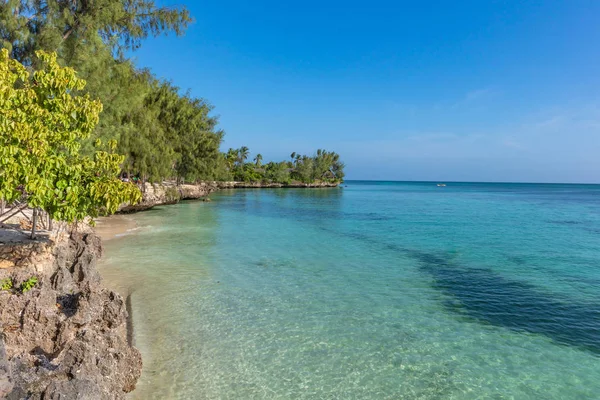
[490, 298]
[494, 299]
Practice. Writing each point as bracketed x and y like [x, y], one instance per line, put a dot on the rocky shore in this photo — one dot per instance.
[170, 193]
[65, 338]
[261, 185]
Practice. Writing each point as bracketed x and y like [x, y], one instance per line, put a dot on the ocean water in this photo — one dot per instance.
[377, 290]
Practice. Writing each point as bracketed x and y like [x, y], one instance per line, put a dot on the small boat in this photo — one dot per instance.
[441, 184]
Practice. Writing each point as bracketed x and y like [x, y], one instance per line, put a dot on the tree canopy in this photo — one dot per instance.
[163, 132]
[42, 123]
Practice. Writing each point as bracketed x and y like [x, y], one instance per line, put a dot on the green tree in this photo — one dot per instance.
[231, 158]
[41, 123]
[243, 153]
[92, 37]
[189, 129]
[277, 172]
[258, 159]
[72, 26]
[304, 169]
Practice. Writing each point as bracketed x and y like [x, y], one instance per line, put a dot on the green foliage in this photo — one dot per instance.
[172, 194]
[324, 166]
[28, 284]
[42, 122]
[189, 130]
[278, 172]
[247, 173]
[6, 284]
[71, 26]
[161, 132]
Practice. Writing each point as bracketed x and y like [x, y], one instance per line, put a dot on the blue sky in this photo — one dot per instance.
[425, 90]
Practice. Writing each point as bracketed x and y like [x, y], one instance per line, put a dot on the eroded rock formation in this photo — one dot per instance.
[66, 338]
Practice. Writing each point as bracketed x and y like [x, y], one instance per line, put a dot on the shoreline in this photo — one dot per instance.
[108, 229]
[169, 192]
[115, 226]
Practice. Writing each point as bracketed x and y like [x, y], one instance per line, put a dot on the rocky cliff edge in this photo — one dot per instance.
[66, 338]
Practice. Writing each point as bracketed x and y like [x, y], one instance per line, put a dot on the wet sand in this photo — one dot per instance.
[115, 226]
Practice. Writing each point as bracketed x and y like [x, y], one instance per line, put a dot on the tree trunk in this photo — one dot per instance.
[42, 223]
[14, 211]
[34, 222]
[1, 206]
[49, 223]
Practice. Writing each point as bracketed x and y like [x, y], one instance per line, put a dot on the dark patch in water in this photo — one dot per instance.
[517, 260]
[494, 299]
[593, 230]
[561, 222]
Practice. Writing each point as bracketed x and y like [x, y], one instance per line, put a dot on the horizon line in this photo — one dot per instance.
[497, 182]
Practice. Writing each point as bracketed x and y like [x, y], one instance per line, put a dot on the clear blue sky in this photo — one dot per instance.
[424, 90]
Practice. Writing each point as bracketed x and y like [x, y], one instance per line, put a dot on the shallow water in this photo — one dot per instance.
[371, 291]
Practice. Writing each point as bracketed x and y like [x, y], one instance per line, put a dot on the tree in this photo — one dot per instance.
[72, 26]
[92, 37]
[231, 158]
[243, 154]
[258, 159]
[277, 172]
[41, 123]
[189, 129]
[304, 169]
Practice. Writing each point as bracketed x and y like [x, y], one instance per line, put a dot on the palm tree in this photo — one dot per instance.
[258, 159]
[293, 155]
[243, 154]
[231, 157]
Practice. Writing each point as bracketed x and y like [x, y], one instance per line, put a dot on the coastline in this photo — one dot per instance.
[47, 258]
[169, 192]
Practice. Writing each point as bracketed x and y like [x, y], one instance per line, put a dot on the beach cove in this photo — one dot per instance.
[376, 290]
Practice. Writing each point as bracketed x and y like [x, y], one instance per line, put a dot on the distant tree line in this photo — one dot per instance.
[163, 132]
[324, 166]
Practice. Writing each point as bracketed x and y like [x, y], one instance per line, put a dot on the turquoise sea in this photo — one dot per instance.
[376, 290]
